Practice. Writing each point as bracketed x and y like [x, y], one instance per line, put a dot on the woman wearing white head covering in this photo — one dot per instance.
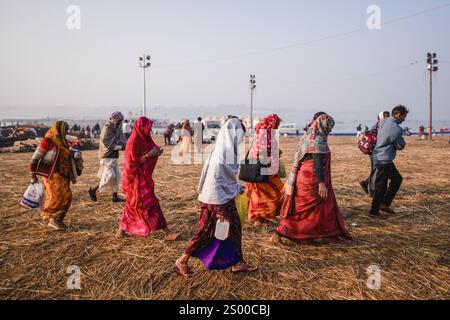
[218, 188]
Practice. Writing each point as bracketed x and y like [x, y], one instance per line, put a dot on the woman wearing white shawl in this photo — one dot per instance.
[218, 188]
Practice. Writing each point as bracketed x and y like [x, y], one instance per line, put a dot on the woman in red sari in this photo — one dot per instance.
[142, 214]
[310, 210]
[265, 199]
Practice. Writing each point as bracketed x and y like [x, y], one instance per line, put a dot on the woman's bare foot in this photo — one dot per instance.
[257, 223]
[172, 236]
[275, 239]
[243, 267]
[120, 234]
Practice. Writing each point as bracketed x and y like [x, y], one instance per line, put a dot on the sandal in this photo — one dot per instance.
[92, 194]
[244, 267]
[183, 270]
[56, 225]
[387, 209]
[378, 216]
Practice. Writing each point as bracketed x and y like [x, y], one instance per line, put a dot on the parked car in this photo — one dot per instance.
[211, 131]
[287, 128]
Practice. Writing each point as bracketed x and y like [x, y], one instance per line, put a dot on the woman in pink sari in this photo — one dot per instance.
[142, 214]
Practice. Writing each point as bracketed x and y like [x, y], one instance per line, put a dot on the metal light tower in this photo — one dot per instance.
[144, 63]
[432, 67]
[252, 88]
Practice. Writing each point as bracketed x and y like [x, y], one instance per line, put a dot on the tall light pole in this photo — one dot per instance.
[252, 88]
[432, 67]
[144, 63]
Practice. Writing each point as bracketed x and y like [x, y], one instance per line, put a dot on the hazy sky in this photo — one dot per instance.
[44, 64]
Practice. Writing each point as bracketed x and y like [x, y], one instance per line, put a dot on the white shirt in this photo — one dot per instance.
[126, 127]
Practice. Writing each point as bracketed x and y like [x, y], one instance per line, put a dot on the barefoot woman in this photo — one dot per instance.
[142, 214]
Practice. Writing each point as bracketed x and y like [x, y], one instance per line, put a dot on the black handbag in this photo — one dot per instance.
[251, 172]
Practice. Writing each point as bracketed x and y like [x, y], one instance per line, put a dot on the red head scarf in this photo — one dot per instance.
[142, 134]
[263, 135]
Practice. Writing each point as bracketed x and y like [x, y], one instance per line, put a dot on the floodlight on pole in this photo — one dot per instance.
[432, 63]
[144, 63]
[252, 86]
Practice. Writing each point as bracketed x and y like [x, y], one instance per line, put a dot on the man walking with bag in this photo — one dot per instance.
[389, 140]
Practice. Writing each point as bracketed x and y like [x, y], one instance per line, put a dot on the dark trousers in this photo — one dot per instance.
[367, 181]
[381, 192]
[167, 141]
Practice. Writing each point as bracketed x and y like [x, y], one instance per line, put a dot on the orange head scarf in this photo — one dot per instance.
[57, 134]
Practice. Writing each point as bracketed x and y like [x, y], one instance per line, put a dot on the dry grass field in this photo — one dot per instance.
[412, 248]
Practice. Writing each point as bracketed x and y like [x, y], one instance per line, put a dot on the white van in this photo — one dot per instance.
[287, 129]
[211, 131]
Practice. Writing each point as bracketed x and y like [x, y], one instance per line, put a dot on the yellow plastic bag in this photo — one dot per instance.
[242, 206]
[282, 170]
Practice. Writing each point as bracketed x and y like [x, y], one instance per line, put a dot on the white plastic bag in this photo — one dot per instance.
[32, 198]
[222, 229]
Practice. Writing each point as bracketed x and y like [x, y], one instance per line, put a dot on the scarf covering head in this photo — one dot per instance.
[137, 181]
[218, 184]
[315, 140]
[263, 136]
[57, 134]
[116, 117]
[186, 129]
[111, 135]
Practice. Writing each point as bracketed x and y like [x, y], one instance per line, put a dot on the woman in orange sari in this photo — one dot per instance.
[142, 214]
[310, 210]
[52, 160]
[265, 199]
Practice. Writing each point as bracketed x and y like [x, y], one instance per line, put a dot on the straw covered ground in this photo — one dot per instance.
[411, 248]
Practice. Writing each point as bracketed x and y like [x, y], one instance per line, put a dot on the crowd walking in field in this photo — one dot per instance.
[304, 209]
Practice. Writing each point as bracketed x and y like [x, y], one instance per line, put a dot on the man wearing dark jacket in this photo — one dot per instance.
[389, 140]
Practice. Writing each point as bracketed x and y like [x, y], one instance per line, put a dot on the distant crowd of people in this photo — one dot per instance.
[86, 131]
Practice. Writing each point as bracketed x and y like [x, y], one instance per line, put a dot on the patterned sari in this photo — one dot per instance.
[265, 199]
[58, 196]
